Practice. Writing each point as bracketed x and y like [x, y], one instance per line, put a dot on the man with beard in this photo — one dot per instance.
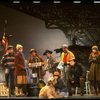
[65, 56]
[36, 63]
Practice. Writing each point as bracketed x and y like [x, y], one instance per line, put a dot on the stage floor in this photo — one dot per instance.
[92, 96]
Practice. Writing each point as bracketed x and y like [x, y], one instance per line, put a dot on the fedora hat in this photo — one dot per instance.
[32, 50]
[47, 51]
[10, 47]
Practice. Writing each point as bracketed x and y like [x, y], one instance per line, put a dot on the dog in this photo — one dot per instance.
[48, 91]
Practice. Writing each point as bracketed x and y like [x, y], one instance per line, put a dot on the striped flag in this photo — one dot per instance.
[4, 42]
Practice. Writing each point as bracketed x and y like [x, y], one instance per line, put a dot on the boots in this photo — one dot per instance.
[17, 91]
[96, 92]
[21, 92]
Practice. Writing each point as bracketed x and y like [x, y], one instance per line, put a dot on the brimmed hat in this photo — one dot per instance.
[18, 46]
[72, 59]
[56, 73]
[32, 50]
[95, 47]
[47, 51]
[64, 45]
[10, 47]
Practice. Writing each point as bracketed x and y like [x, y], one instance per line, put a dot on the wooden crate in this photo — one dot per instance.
[4, 91]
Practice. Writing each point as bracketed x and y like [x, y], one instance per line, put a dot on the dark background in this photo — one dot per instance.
[48, 25]
[30, 32]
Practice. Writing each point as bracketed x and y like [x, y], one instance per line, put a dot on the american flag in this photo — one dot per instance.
[4, 42]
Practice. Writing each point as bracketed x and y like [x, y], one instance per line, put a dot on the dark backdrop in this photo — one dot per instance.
[30, 31]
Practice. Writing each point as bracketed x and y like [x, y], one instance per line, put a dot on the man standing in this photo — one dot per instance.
[35, 63]
[66, 55]
[51, 62]
[50, 65]
[9, 68]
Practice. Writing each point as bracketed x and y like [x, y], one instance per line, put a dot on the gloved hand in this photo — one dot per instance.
[73, 81]
[24, 68]
[81, 78]
[65, 64]
[94, 58]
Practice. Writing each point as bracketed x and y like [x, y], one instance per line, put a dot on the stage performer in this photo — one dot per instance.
[94, 60]
[36, 63]
[20, 71]
[9, 68]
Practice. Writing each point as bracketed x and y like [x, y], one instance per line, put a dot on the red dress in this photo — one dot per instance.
[20, 71]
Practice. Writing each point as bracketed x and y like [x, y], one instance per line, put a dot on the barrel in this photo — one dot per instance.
[33, 90]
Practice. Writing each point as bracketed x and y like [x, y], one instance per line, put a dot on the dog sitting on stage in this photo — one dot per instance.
[48, 91]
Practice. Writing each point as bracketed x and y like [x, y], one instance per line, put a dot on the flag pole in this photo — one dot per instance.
[4, 41]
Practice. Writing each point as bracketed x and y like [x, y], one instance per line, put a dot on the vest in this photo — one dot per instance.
[66, 58]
